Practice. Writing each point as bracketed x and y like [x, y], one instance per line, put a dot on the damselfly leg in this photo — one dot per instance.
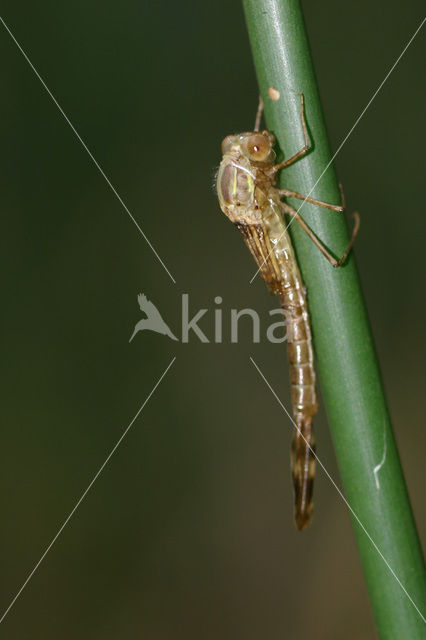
[294, 194]
[317, 242]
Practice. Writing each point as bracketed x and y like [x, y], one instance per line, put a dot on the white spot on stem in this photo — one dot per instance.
[274, 94]
[382, 461]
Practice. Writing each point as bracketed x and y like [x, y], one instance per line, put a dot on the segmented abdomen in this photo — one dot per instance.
[302, 375]
[271, 247]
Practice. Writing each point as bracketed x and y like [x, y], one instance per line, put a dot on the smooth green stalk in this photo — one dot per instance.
[348, 369]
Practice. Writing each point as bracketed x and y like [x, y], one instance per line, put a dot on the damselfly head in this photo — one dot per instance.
[256, 146]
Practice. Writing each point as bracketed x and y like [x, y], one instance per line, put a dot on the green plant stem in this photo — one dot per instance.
[349, 373]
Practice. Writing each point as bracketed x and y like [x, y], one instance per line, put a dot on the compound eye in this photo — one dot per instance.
[258, 147]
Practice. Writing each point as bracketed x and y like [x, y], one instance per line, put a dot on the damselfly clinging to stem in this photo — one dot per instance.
[248, 196]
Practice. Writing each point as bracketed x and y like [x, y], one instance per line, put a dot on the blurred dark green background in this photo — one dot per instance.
[188, 532]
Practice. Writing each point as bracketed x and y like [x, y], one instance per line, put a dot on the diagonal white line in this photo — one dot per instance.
[101, 171]
[341, 494]
[349, 133]
[83, 495]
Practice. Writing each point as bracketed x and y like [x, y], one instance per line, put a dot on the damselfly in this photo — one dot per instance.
[248, 196]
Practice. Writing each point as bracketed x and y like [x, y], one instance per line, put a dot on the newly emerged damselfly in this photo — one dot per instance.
[248, 196]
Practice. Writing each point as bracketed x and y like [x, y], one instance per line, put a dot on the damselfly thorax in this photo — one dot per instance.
[248, 196]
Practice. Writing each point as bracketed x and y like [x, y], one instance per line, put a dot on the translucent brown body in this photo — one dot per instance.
[245, 187]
